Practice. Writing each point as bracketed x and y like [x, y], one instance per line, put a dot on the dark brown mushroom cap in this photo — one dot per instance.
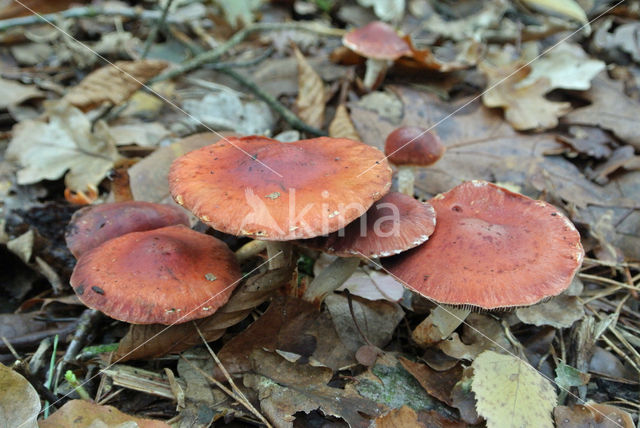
[259, 187]
[410, 145]
[392, 225]
[377, 40]
[492, 249]
[164, 276]
[95, 224]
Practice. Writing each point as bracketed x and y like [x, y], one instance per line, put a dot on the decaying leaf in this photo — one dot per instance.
[145, 134]
[525, 107]
[566, 66]
[405, 416]
[559, 312]
[439, 325]
[113, 83]
[387, 10]
[19, 401]
[592, 416]
[564, 8]
[437, 384]
[480, 333]
[46, 151]
[509, 392]
[14, 93]
[85, 414]
[341, 125]
[285, 388]
[610, 109]
[623, 37]
[239, 12]
[311, 96]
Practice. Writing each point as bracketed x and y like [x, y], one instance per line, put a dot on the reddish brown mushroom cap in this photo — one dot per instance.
[93, 225]
[492, 248]
[410, 145]
[259, 187]
[165, 276]
[392, 225]
[377, 40]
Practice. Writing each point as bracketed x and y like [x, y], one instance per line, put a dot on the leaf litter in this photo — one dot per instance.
[561, 128]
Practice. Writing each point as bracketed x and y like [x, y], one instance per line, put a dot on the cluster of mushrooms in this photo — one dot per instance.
[477, 245]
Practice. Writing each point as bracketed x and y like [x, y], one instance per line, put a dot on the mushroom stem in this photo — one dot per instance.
[441, 322]
[250, 249]
[406, 180]
[331, 277]
[374, 73]
[277, 260]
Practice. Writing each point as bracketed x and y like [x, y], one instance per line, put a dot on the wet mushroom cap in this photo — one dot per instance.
[410, 145]
[164, 276]
[93, 225]
[394, 224]
[263, 188]
[377, 40]
[492, 248]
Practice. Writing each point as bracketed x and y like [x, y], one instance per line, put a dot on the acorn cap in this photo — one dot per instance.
[164, 276]
[377, 40]
[392, 225]
[95, 224]
[410, 145]
[492, 249]
[263, 188]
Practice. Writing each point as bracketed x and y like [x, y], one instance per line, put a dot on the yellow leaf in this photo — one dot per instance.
[567, 8]
[511, 393]
[341, 125]
[311, 97]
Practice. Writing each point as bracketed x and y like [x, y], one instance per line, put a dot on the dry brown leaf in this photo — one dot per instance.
[560, 312]
[85, 414]
[113, 83]
[592, 416]
[285, 388]
[480, 333]
[525, 107]
[405, 417]
[341, 125]
[14, 93]
[311, 96]
[19, 401]
[13, 8]
[610, 109]
[437, 384]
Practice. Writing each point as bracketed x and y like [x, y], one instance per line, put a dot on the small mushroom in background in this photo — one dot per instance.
[492, 249]
[262, 188]
[408, 147]
[393, 224]
[161, 276]
[381, 45]
[95, 224]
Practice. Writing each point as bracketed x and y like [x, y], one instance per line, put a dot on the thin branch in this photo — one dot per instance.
[156, 28]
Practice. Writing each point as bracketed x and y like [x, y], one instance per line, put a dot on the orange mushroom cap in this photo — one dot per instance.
[95, 224]
[165, 276]
[377, 40]
[392, 225]
[492, 248]
[410, 145]
[260, 187]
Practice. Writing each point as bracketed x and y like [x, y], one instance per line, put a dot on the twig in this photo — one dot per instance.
[215, 54]
[286, 114]
[238, 395]
[83, 12]
[353, 317]
[86, 324]
[156, 28]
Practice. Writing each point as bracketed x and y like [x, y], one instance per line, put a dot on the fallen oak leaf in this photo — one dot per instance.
[85, 414]
[46, 151]
[113, 83]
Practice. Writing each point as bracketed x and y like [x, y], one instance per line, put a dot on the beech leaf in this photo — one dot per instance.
[19, 401]
[311, 97]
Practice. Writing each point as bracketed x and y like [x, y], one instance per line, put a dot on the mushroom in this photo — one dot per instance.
[381, 45]
[408, 147]
[95, 224]
[492, 249]
[262, 188]
[165, 276]
[392, 225]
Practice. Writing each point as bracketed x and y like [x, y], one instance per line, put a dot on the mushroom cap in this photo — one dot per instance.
[95, 224]
[410, 145]
[165, 276]
[377, 40]
[260, 187]
[492, 249]
[393, 224]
